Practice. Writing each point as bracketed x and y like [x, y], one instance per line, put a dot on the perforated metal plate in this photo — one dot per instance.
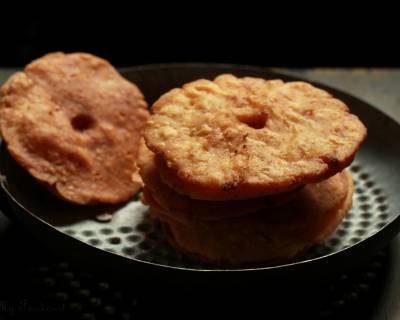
[368, 215]
[131, 235]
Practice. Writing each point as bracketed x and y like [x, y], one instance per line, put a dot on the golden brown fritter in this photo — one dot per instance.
[235, 138]
[275, 235]
[183, 208]
[74, 123]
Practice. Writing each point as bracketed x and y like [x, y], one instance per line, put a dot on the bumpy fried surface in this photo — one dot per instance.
[183, 208]
[235, 138]
[74, 123]
[270, 236]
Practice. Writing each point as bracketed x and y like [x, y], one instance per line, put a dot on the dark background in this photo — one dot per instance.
[275, 37]
[282, 37]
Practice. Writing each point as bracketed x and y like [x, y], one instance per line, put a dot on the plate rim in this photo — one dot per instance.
[291, 265]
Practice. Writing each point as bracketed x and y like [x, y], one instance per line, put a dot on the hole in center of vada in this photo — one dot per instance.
[255, 121]
[82, 122]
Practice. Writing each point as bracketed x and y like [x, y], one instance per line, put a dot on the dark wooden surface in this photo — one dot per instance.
[381, 88]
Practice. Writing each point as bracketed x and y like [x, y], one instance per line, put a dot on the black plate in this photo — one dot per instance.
[129, 245]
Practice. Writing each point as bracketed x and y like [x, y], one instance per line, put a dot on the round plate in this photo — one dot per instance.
[121, 240]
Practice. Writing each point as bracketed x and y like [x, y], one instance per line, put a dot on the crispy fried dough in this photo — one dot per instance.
[235, 138]
[183, 208]
[271, 236]
[74, 123]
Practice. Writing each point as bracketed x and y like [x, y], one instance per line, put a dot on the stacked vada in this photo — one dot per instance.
[247, 171]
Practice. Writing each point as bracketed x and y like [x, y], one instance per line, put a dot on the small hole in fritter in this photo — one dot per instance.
[255, 121]
[82, 122]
